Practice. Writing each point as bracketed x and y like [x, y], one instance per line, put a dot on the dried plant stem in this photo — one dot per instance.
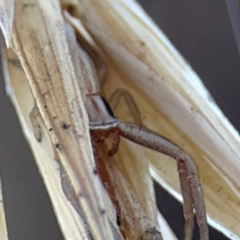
[3, 226]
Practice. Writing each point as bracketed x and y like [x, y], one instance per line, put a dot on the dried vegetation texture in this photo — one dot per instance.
[3, 226]
[170, 96]
[41, 46]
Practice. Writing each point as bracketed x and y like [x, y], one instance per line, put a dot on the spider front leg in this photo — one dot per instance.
[183, 173]
[190, 196]
[114, 99]
[188, 173]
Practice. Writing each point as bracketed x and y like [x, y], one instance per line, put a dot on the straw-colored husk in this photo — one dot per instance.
[170, 97]
[3, 226]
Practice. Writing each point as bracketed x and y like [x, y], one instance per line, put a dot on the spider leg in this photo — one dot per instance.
[35, 123]
[187, 199]
[132, 107]
[188, 172]
[116, 139]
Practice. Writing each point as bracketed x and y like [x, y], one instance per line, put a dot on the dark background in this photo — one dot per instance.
[202, 32]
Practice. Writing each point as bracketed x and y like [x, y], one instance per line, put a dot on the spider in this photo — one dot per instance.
[103, 125]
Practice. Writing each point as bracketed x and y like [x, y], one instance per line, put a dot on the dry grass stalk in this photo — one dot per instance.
[3, 226]
[48, 66]
[140, 59]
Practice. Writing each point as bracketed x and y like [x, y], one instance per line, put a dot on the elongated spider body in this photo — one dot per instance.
[104, 125]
